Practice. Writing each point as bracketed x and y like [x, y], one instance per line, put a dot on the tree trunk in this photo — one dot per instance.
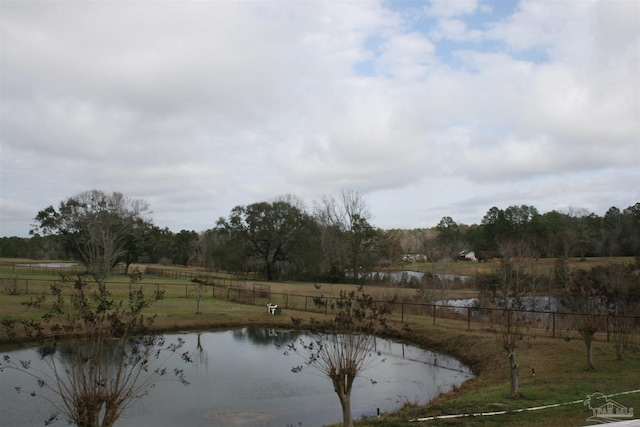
[513, 366]
[342, 386]
[345, 402]
[111, 416]
[269, 273]
[588, 342]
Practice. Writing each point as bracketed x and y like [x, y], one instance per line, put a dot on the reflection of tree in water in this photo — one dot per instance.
[200, 355]
[265, 336]
[108, 360]
[240, 418]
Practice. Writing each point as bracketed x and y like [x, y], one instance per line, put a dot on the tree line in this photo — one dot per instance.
[334, 241]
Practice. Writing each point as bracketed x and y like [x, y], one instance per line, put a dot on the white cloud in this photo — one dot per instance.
[455, 29]
[406, 56]
[200, 106]
[448, 8]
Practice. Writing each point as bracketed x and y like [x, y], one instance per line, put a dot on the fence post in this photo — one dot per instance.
[468, 318]
[434, 314]
[305, 303]
[26, 286]
[554, 324]
[402, 310]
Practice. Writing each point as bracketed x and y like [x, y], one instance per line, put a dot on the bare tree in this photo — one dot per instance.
[100, 355]
[346, 227]
[326, 214]
[622, 298]
[506, 290]
[356, 216]
[342, 347]
[584, 296]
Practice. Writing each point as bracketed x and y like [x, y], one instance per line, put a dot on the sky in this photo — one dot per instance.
[426, 109]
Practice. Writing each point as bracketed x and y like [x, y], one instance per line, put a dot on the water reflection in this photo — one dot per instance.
[242, 378]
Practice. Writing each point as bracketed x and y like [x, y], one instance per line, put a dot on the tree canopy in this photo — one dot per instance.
[273, 233]
[96, 227]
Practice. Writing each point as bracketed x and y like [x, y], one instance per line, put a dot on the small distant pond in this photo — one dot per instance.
[399, 276]
[242, 378]
[530, 302]
[49, 264]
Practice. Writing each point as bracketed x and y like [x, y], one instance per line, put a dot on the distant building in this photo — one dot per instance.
[467, 256]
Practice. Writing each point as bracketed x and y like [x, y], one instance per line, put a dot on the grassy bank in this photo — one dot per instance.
[559, 364]
[560, 376]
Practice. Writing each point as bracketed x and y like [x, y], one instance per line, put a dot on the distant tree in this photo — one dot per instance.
[270, 232]
[332, 240]
[158, 243]
[16, 247]
[100, 354]
[583, 232]
[360, 234]
[554, 234]
[612, 231]
[507, 290]
[135, 248]
[95, 226]
[621, 294]
[583, 295]
[184, 247]
[342, 346]
[449, 234]
[349, 239]
[389, 248]
[495, 228]
[629, 240]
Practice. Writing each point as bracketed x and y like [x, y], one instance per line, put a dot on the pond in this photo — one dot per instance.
[417, 276]
[242, 378]
[49, 264]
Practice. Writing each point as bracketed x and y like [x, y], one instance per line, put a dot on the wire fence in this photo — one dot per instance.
[557, 324]
[552, 323]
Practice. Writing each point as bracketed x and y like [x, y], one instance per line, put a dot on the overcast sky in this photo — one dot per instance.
[426, 108]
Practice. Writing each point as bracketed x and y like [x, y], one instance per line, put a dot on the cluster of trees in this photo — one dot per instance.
[554, 234]
[334, 241]
[101, 355]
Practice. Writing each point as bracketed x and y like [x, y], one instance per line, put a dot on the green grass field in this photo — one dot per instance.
[559, 364]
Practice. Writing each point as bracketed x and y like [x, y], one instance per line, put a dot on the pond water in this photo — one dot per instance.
[406, 275]
[49, 264]
[529, 302]
[242, 378]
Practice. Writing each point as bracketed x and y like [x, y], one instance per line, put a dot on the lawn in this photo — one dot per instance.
[559, 364]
